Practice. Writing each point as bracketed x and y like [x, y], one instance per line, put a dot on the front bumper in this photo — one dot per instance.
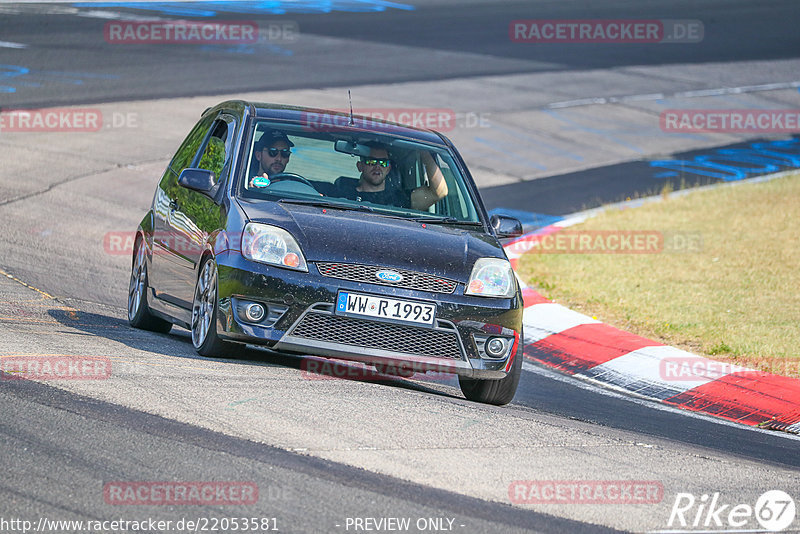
[301, 319]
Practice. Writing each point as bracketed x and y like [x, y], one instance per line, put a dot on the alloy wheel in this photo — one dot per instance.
[205, 295]
[138, 283]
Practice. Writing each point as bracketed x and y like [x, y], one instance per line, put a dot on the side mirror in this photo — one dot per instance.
[200, 180]
[505, 226]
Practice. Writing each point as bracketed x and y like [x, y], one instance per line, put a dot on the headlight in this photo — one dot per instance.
[491, 277]
[272, 245]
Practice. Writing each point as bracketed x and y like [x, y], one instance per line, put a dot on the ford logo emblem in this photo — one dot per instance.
[389, 276]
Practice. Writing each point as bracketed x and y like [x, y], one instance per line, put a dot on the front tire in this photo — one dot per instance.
[498, 392]
[139, 315]
[204, 314]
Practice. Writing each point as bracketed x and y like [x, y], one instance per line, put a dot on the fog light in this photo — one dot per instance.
[496, 347]
[254, 312]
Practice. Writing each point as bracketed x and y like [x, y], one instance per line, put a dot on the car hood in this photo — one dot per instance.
[328, 234]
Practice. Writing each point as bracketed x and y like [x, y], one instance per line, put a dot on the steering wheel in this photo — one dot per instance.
[281, 176]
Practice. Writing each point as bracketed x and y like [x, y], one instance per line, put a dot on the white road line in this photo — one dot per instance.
[116, 15]
[682, 94]
[649, 96]
[9, 44]
[579, 102]
[703, 92]
[52, 7]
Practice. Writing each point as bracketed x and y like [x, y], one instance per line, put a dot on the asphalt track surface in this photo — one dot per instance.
[734, 31]
[301, 494]
[63, 443]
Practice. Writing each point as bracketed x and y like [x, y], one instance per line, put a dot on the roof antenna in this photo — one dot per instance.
[352, 122]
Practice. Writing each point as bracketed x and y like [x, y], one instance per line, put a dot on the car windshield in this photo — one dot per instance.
[375, 172]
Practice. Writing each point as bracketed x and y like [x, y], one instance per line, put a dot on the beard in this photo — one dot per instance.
[275, 168]
[375, 178]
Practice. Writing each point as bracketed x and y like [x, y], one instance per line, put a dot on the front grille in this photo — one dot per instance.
[377, 335]
[366, 273]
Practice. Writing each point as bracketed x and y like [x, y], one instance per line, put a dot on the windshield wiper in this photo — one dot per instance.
[363, 207]
[444, 220]
[342, 206]
[327, 204]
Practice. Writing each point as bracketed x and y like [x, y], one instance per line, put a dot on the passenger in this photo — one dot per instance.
[371, 186]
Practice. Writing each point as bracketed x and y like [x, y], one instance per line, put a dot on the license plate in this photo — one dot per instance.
[393, 310]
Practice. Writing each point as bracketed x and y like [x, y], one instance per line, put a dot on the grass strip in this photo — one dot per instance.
[724, 281]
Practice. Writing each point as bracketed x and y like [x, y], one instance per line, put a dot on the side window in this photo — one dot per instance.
[186, 153]
[453, 204]
[215, 154]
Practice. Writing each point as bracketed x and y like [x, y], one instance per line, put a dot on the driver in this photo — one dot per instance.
[272, 153]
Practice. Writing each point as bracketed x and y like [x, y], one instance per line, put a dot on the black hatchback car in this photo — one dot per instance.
[318, 232]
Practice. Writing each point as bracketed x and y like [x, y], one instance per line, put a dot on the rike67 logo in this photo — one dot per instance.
[774, 511]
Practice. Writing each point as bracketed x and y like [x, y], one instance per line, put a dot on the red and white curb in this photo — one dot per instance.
[581, 346]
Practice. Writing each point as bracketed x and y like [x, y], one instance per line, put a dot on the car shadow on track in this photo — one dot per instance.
[178, 344]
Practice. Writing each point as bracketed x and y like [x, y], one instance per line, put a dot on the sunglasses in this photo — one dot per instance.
[374, 161]
[273, 152]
